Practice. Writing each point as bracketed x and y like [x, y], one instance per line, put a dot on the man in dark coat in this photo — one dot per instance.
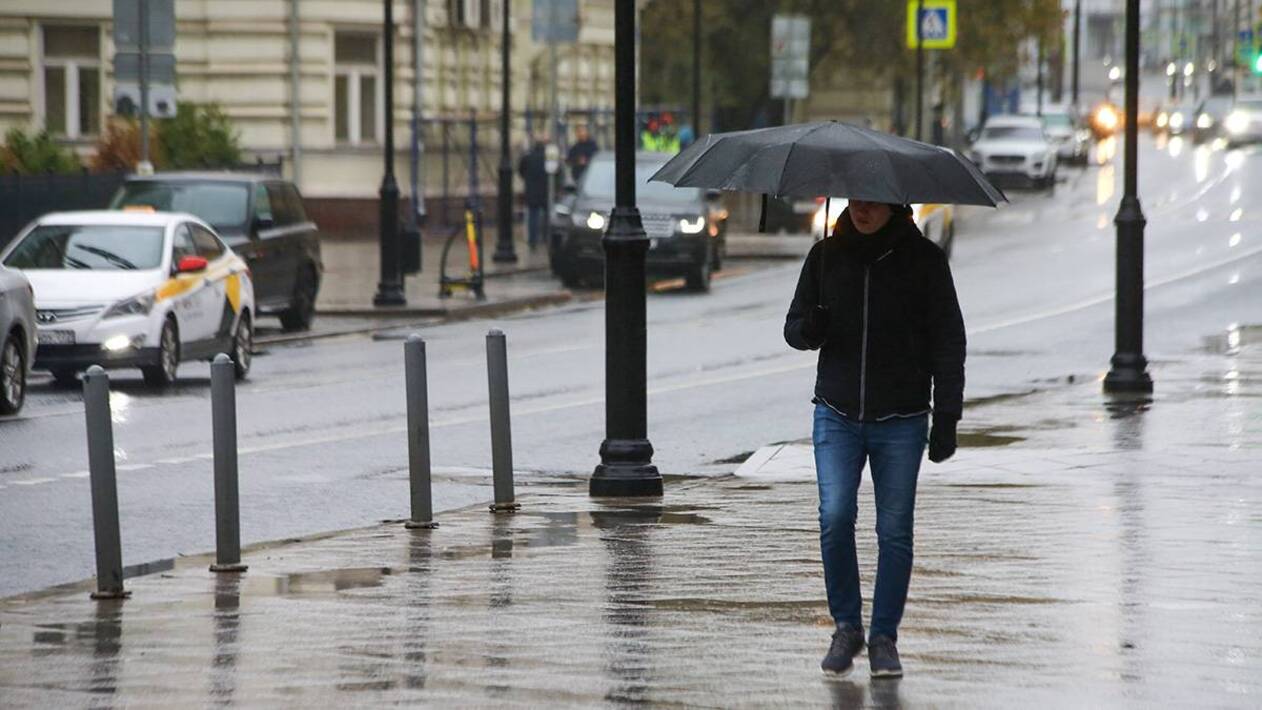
[877, 300]
[534, 173]
[580, 154]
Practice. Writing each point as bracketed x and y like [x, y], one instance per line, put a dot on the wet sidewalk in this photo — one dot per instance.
[1078, 553]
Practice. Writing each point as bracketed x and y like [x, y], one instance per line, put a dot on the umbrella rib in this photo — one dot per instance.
[792, 146]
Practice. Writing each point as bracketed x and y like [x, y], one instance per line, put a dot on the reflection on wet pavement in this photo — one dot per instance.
[1078, 552]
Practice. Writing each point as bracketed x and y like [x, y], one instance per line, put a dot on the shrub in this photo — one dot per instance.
[118, 148]
[200, 136]
[38, 154]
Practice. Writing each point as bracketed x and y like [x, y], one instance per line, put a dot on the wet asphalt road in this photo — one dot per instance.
[321, 423]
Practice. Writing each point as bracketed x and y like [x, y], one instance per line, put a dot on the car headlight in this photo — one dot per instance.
[1176, 120]
[595, 221]
[1162, 119]
[692, 227]
[1238, 122]
[134, 306]
[1204, 121]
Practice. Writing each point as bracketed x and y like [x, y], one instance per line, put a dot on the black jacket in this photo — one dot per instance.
[533, 170]
[894, 325]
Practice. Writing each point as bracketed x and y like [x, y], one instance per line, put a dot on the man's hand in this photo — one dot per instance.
[942, 437]
[815, 324]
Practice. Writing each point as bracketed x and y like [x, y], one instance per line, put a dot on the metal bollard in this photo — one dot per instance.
[501, 432]
[109, 547]
[418, 435]
[223, 419]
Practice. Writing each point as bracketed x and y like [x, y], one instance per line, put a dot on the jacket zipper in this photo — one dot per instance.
[863, 354]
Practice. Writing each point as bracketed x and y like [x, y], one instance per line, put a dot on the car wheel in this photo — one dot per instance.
[12, 376]
[698, 278]
[301, 309]
[242, 346]
[163, 373]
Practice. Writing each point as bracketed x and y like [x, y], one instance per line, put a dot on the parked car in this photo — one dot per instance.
[936, 221]
[1015, 147]
[264, 221]
[133, 289]
[17, 338]
[1176, 119]
[1244, 123]
[1072, 140]
[684, 226]
[1211, 114]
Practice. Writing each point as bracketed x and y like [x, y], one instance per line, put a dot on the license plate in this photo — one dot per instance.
[56, 337]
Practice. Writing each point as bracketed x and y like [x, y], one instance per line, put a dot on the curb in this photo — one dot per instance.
[424, 316]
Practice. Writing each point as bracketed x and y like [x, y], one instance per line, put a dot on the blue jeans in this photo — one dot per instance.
[894, 448]
[534, 225]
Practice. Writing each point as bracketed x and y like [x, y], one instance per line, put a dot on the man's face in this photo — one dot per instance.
[868, 217]
[581, 134]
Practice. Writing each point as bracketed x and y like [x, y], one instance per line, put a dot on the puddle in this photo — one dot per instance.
[988, 438]
[739, 458]
[809, 611]
[327, 581]
[1232, 339]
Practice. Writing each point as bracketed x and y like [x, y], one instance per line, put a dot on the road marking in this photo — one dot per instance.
[133, 466]
[32, 481]
[76, 474]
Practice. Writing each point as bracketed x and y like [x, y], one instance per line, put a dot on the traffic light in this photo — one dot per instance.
[1257, 63]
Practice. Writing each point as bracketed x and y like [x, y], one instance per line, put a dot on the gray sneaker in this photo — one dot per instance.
[883, 658]
[847, 642]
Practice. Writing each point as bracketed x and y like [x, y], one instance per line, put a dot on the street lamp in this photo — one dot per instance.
[504, 250]
[1129, 371]
[626, 456]
[390, 288]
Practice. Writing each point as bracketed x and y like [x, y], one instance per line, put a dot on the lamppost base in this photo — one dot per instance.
[1128, 375]
[621, 480]
[504, 257]
[389, 295]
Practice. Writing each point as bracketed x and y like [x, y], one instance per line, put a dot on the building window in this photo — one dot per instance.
[72, 80]
[355, 96]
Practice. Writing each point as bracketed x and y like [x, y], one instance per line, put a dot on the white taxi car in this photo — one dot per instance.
[133, 289]
[935, 221]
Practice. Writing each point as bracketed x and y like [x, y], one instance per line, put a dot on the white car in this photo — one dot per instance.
[17, 338]
[133, 289]
[936, 222]
[1072, 140]
[1015, 147]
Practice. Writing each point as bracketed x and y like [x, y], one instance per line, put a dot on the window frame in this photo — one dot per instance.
[354, 73]
[71, 90]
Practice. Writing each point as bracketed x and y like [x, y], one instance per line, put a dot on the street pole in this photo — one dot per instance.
[920, 68]
[696, 69]
[1129, 371]
[145, 167]
[390, 288]
[1038, 110]
[1077, 47]
[504, 250]
[626, 455]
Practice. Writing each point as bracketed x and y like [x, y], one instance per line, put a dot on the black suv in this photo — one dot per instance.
[685, 225]
[262, 218]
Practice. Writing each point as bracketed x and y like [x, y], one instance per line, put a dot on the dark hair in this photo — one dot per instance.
[904, 210]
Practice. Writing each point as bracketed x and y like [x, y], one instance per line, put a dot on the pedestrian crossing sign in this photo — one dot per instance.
[936, 22]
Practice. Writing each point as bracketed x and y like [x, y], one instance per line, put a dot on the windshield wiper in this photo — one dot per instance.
[107, 255]
[75, 262]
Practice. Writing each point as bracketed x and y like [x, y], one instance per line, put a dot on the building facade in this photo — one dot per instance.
[302, 79]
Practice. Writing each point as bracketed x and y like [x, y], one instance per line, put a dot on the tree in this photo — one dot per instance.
[200, 136]
[118, 148]
[37, 154]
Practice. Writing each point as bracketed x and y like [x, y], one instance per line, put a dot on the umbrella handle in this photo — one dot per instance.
[762, 216]
[828, 208]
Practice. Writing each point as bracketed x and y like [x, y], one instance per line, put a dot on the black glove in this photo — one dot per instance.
[942, 437]
[815, 324]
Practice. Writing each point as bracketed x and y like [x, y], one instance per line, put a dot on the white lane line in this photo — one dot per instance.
[76, 474]
[32, 481]
[174, 461]
[133, 466]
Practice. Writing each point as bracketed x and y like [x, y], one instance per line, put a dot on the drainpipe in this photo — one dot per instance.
[295, 107]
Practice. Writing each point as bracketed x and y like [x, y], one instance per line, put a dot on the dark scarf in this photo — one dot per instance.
[870, 247]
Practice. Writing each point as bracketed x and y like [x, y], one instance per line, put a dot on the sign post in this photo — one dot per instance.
[144, 65]
[790, 58]
[930, 25]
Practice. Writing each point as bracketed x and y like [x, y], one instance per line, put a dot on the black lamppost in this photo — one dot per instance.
[920, 69]
[1129, 372]
[696, 69]
[626, 456]
[505, 252]
[390, 288]
[1077, 47]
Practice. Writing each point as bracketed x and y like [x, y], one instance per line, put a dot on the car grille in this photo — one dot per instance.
[47, 316]
[1007, 159]
[658, 225]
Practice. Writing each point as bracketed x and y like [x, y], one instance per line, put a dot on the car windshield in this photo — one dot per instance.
[92, 246]
[1250, 105]
[1007, 133]
[1217, 106]
[598, 183]
[1057, 120]
[220, 204]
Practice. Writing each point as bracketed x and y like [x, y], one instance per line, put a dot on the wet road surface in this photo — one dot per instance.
[321, 422]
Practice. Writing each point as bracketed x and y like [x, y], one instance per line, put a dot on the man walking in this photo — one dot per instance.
[534, 173]
[580, 154]
[878, 301]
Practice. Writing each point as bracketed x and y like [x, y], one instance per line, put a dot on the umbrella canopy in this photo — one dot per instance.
[830, 159]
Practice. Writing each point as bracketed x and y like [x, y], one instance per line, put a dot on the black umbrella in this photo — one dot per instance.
[830, 159]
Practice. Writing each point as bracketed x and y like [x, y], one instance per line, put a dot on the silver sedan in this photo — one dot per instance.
[17, 338]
